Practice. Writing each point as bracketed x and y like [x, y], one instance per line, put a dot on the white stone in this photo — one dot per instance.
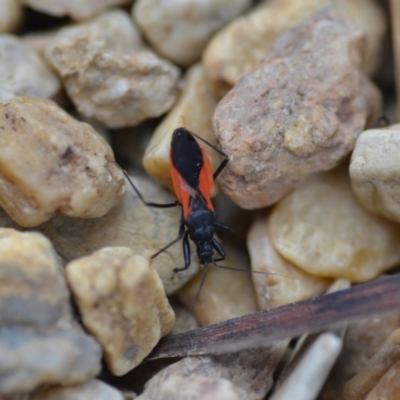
[23, 72]
[180, 29]
[76, 9]
[375, 171]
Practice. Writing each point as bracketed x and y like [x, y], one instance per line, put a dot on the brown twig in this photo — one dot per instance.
[259, 329]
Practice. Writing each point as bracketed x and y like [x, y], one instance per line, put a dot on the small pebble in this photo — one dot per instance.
[375, 171]
[321, 229]
[184, 319]
[23, 72]
[51, 163]
[242, 375]
[225, 294]
[122, 303]
[129, 395]
[287, 119]
[308, 376]
[76, 9]
[40, 343]
[180, 29]
[145, 230]
[109, 76]
[283, 283]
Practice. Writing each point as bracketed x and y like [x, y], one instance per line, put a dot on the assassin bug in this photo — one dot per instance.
[193, 181]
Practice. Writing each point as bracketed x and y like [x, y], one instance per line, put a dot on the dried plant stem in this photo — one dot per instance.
[314, 315]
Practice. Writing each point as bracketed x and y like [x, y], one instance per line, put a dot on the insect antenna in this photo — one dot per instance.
[231, 269]
[203, 278]
[250, 271]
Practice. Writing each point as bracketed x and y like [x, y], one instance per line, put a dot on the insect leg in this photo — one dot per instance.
[220, 168]
[224, 161]
[157, 205]
[223, 227]
[180, 235]
[186, 252]
[219, 249]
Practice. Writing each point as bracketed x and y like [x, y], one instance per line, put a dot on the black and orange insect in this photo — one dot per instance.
[193, 181]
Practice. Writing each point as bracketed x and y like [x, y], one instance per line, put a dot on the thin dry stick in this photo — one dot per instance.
[259, 329]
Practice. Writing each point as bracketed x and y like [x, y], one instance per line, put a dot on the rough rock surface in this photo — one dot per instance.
[144, 230]
[321, 229]
[122, 303]
[225, 294]
[299, 113]
[40, 343]
[109, 76]
[38, 41]
[193, 110]
[10, 15]
[377, 380]
[284, 283]
[76, 9]
[388, 387]
[243, 375]
[375, 171]
[49, 162]
[362, 340]
[237, 49]
[180, 29]
[90, 390]
[23, 72]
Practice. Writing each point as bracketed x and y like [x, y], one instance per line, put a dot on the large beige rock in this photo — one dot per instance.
[109, 75]
[51, 163]
[280, 282]
[145, 230]
[40, 342]
[237, 49]
[10, 15]
[194, 111]
[122, 303]
[76, 9]
[321, 229]
[299, 113]
[375, 171]
[23, 72]
[180, 29]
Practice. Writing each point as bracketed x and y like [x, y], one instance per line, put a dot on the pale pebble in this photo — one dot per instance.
[51, 163]
[122, 303]
[321, 229]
